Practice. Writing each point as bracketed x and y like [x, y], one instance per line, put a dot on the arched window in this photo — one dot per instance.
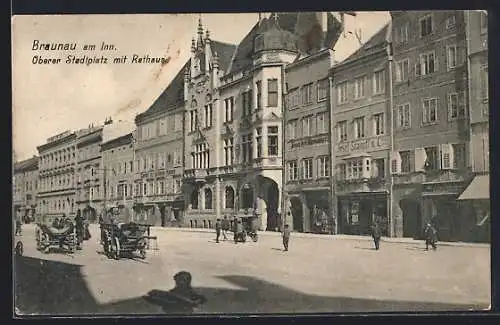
[229, 195]
[194, 200]
[247, 197]
[208, 199]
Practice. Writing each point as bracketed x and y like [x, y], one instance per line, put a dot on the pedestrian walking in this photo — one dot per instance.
[286, 237]
[376, 234]
[430, 236]
[225, 227]
[79, 229]
[218, 228]
[18, 226]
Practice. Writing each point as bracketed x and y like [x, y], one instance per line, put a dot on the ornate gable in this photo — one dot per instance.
[199, 137]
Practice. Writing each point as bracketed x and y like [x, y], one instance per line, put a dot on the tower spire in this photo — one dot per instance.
[200, 32]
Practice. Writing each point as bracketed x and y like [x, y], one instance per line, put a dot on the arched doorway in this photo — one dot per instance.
[270, 194]
[297, 214]
[412, 218]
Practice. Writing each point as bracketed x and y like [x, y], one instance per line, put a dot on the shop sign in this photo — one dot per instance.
[309, 141]
[370, 144]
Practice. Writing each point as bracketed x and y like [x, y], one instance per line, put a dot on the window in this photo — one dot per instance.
[306, 126]
[293, 98]
[321, 126]
[342, 92]
[208, 116]
[306, 94]
[247, 103]
[272, 141]
[404, 116]
[292, 129]
[459, 153]
[450, 21]
[432, 158]
[379, 82]
[228, 109]
[228, 152]
[426, 26]
[208, 199]
[193, 118]
[307, 168]
[247, 197]
[247, 147]
[177, 122]
[484, 83]
[177, 185]
[322, 89]
[151, 190]
[401, 35]
[456, 107]
[342, 131]
[152, 162]
[451, 56]
[272, 92]
[258, 139]
[359, 127]
[402, 69]
[194, 200]
[258, 84]
[163, 127]
[379, 165]
[427, 64]
[359, 87]
[405, 161]
[293, 171]
[429, 112]
[378, 124]
[324, 166]
[201, 156]
[229, 197]
[355, 169]
[342, 171]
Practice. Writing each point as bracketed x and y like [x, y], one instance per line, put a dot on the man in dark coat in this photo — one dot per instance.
[218, 228]
[79, 229]
[376, 234]
[430, 236]
[225, 227]
[18, 226]
[286, 237]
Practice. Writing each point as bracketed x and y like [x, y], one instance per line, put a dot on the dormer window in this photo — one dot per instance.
[258, 43]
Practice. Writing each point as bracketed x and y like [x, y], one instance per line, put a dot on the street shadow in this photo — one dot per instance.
[365, 248]
[415, 248]
[277, 249]
[49, 287]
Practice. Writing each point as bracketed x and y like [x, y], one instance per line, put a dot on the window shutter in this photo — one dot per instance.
[420, 159]
[446, 156]
[396, 163]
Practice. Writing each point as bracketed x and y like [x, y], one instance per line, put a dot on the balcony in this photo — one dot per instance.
[196, 175]
[362, 185]
[433, 176]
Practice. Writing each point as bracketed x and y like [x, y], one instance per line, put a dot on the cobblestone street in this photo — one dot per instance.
[316, 275]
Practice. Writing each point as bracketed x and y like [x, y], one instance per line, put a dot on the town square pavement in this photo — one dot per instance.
[317, 274]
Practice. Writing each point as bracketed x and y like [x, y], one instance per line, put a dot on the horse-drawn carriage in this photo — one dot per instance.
[60, 233]
[120, 239]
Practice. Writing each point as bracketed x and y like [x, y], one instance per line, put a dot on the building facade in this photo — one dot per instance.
[117, 161]
[430, 165]
[307, 143]
[361, 113]
[159, 159]
[234, 117]
[57, 171]
[89, 173]
[25, 181]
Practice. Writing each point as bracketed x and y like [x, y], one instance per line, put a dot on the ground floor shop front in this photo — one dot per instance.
[359, 211]
[159, 213]
[308, 210]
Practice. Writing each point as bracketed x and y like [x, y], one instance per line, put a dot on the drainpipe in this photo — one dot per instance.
[391, 142]
[284, 91]
[469, 84]
[332, 139]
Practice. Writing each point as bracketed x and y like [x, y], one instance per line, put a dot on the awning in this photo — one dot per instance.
[478, 189]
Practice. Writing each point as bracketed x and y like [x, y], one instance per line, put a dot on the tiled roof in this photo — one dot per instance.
[225, 52]
[25, 165]
[373, 44]
[170, 98]
[243, 55]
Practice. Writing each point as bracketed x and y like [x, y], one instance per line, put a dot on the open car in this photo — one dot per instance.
[250, 227]
[120, 239]
[61, 235]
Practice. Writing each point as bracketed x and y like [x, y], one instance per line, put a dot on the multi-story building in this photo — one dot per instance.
[25, 181]
[159, 158]
[361, 139]
[117, 150]
[56, 168]
[89, 172]
[478, 190]
[233, 120]
[429, 164]
[307, 144]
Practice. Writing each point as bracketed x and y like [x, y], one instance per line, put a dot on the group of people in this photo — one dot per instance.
[430, 234]
[236, 226]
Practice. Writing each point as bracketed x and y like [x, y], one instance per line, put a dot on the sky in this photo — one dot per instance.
[51, 98]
